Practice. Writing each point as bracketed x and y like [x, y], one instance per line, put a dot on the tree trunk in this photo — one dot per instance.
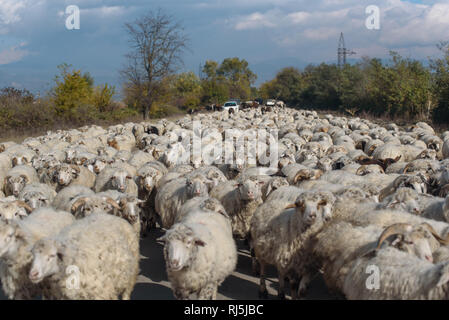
[146, 110]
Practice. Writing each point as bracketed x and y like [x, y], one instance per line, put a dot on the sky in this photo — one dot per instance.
[269, 34]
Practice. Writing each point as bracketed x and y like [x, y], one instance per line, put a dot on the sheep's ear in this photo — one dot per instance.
[199, 242]
[163, 238]
[291, 206]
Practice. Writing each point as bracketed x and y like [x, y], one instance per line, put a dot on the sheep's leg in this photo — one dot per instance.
[281, 289]
[294, 284]
[263, 293]
[306, 278]
[254, 263]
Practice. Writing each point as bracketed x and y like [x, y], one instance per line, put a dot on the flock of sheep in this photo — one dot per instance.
[365, 206]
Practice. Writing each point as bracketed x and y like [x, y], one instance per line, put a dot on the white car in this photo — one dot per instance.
[270, 103]
[231, 105]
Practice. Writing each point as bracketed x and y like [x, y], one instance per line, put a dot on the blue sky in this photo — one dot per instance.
[269, 34]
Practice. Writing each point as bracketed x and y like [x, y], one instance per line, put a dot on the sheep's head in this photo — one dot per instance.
[130, 208]
[18, 160]
[10, 234]
[405, 199]
[367, 169]
[307, 174]
[274, 184]
[16, 183]
[85, 206]
[420, 240]
[100, 163]
[313, 207]
[250, 190]
[35, 199]
[148, 180]
[46, 259]
[325, 164]
[181, 245]
[197, 186]
[428, 154]
[65, 174]
[119, 180]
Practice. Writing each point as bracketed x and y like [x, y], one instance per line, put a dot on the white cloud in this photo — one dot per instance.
[257, 20]
[13, 54]
[9, 10]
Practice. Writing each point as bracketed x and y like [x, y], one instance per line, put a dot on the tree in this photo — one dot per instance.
[157, 43]
[72, 90]
[238, 75]
[440, 84]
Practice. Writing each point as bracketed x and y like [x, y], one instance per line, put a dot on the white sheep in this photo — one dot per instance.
[16, 240]
[199, 253]
[17, 178]
[172, 195]
[82, 249]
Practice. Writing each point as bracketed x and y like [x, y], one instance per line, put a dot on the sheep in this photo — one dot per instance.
[83, 245]
[199, 253]
[12, 209]
[37, 195]
[16, 240]
[67, 196]
[403, 276]
[172, 195]
[278, 233]
[97, 203]
[139, 158]
[418, 182]
[339, 244]
[69, 174]
[116, 178]
[240, 201]
[17, 178]
[437, 210]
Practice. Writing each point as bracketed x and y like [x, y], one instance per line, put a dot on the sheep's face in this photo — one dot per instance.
[8, 238]
[69, 155]
[313, 209]
[12, 211]
[19, 160]
[99, 165]
[130, 208]
[179, 251]
[119, 180]
[196, 187]
[35, 200]
[66, 174]
[92, 205]
[409, 204]
[148, 181]
[417, 242]
[45, 260]
[273, 185]
[324, 164]
[250, 190]
[16, 184]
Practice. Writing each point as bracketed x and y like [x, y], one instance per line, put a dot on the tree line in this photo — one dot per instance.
[400, 88]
